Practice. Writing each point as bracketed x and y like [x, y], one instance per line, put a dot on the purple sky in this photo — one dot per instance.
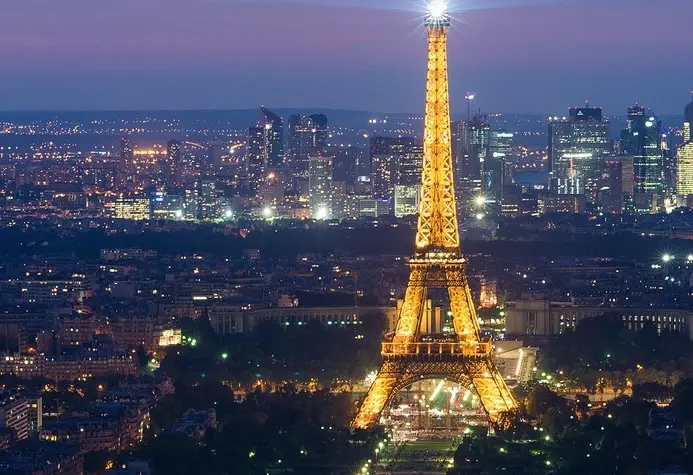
[518, 56]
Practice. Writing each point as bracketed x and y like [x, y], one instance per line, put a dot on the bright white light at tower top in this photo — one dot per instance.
[437, 8]
[437, 14]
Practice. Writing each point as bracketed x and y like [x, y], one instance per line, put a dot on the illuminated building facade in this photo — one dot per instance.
[500, 156]
[273, 137]
[642, 140]
[126, 156]
[406, 200]
[684, 170]
[394, 161]
[463, 356]
[320, 186]
[131, 208]
[167, 207]
[173, 161]
[14, 414]
[578, 147]
[193, 200]
[255, 157]
[307, 138]
[470, 148]
[374, 207]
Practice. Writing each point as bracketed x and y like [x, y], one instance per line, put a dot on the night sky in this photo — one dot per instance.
[517, 55]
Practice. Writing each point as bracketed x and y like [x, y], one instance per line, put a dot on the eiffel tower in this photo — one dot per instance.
[437, 263]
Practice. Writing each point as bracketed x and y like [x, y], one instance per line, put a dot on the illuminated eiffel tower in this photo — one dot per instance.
[437, 263]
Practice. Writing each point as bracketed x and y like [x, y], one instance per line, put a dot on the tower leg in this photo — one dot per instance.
[462, 306]
[409, 320]
[376, 399]
[493, 392]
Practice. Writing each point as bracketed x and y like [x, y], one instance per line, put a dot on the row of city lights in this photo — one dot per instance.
[670, 257]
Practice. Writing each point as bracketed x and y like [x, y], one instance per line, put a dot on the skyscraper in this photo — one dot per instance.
[255, 157]
[687, 120]
[470, 147]
[500, 156]
[611, 189]
[320, 186]
[684, 171]
[126, 156]
[394, 161]
[641, 139]
[319, 131]
[273, 127]
[214, 152]
[307, 138]
[173, 159]
[578, 147]
[346, 163]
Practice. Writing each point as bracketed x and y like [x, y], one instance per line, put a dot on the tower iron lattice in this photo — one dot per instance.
[437, 263]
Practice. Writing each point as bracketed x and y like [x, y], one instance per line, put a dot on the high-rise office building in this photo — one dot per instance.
[684, 170]
[273, 128]
[578, 147]
[500, 156]
[193, 200]
[255, 157]
[470, 148]
[307, 138]
[345, 163]
[173, 160]
[300, 140]
[126, 155]
[611, 189]
[209, 204]
[215, 150]
[320, 186]
[687, 120]
[642, 140]
[320, 131]
[395, 161]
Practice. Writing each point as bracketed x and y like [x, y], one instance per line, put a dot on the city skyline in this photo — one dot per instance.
[365, 59]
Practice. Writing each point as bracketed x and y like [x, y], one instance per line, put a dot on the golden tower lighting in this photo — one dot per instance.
[437, 263]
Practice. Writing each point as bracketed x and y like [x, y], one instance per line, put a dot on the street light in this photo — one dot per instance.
[667, 257]
[480, 200]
